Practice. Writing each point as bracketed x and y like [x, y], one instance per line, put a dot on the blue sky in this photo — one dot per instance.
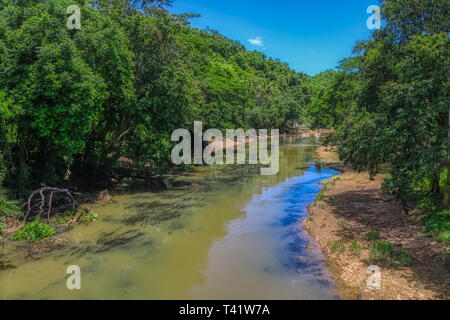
[311, 36]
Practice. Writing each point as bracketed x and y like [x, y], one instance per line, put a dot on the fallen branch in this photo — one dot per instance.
[75, 220]
[43, 199]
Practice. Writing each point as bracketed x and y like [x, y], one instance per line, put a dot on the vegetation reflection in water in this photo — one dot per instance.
[220, 233]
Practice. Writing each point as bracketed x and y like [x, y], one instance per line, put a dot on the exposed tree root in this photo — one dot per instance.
[48, 196]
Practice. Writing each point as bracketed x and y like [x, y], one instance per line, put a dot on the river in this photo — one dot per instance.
[218, 233]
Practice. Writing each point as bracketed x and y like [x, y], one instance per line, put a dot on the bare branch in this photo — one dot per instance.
[42, 201]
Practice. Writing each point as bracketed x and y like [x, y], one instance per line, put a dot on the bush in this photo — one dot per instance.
[9, 208]
[34, 231]
[2, 226]
[89, 216]
[438, 224]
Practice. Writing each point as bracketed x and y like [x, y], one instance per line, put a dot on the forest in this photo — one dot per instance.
[75, 103]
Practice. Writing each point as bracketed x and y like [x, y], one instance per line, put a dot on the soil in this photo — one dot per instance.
[353, 205]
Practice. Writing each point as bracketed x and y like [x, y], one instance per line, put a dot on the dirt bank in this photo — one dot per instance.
[349, 215]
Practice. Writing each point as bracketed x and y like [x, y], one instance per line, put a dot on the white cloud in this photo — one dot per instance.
[257, 41]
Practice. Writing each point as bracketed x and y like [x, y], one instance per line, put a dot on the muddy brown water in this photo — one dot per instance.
[221, 233]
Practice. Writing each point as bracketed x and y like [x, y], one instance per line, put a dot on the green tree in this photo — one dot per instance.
[402, 114]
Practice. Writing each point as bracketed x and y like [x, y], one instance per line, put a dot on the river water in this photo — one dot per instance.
[218, 233]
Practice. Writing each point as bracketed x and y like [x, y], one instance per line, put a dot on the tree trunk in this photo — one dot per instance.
[445, 199]
[435, 183]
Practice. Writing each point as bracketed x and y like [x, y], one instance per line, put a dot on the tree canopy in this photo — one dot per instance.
[73, 102]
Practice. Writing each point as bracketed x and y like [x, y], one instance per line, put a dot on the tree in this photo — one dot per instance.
[402, 115]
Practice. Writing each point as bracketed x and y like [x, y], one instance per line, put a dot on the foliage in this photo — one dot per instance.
[34, 231]
[399, 115]
[438, 224]
[9, 208]
[75, 102]
[89, 216]
[66, 217]
[333, 96]
[2, 225]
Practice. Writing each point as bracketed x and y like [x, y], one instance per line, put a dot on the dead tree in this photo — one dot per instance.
[47, 197]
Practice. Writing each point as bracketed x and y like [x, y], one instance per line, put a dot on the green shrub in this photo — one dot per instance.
[34, 231]
[2, 226]
[438, 224]
[9, 208]
[444, 237]
[89, 216]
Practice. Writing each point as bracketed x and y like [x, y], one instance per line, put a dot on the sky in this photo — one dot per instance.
[311, 36]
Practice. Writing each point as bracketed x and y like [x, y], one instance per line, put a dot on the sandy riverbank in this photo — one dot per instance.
[351, 206]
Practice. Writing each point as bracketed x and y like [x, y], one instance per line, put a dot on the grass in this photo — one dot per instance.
[385, 253]
[372, 235]
[65, 218]
[87, 216]
[437, 224]
[322, 192]
[320, 196]
[355, 248]
[333, 183]
[404, 257]
[34, 231]
[342, 223]
[381, 250]
[338, 247]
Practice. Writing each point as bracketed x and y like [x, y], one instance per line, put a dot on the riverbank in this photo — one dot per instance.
[62, 222]
[350, 215]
